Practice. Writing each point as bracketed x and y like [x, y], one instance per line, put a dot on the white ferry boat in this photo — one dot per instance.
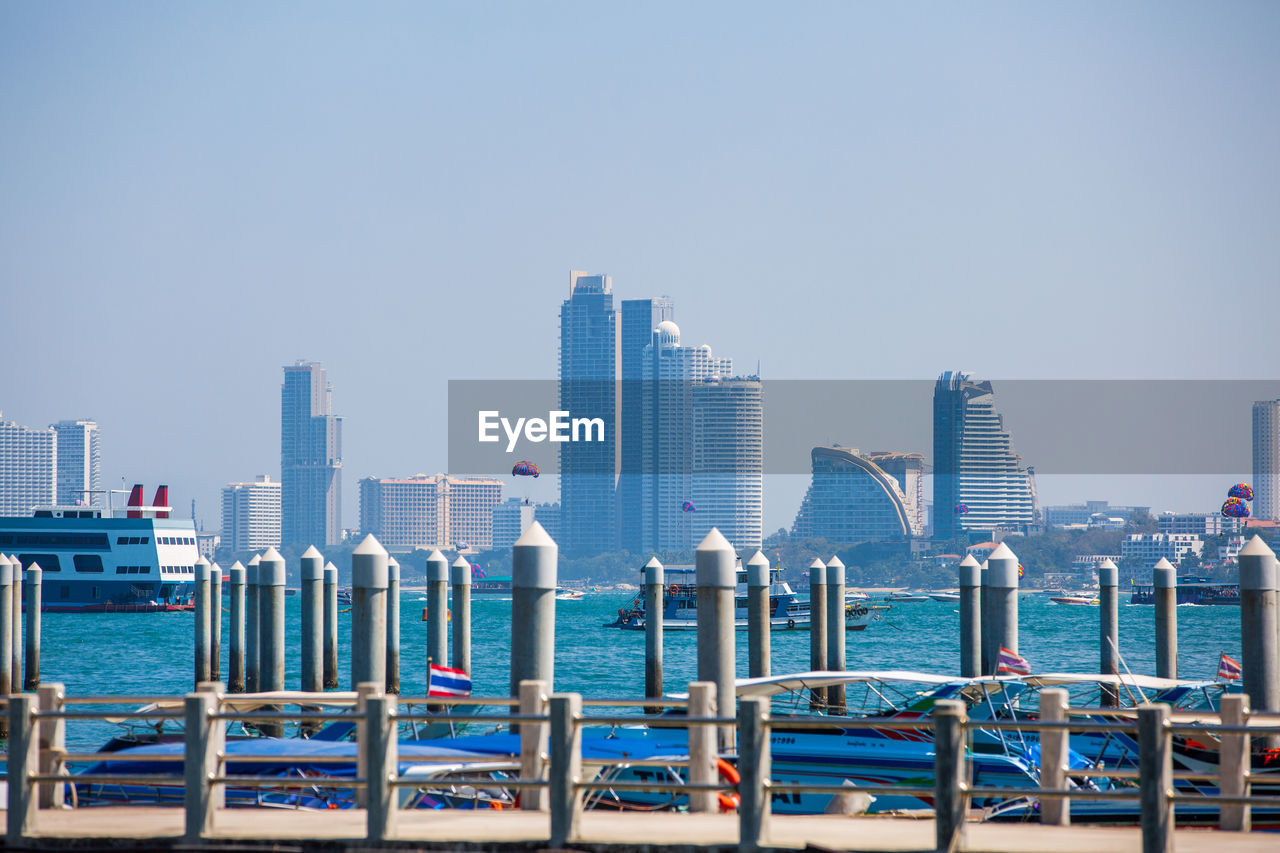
[136, 559]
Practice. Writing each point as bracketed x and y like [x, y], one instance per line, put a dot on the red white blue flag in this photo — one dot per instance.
[448, 682]
[1011, 662]
[1228, 668]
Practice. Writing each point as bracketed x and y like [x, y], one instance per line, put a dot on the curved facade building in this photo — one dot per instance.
[853, 497]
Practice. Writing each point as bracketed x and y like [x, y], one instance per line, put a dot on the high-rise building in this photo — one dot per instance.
[79, 463]
[640, 317]
[512, 517]
[589, 365]
[1266, 460]
[670, 373]
[857, 497]
[310, 458]
[442, 510]
[28, 468]
[251, 515]
[979, 483]
[728, 459]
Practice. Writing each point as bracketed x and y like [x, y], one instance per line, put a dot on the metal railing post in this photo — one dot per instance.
[365, 690]
[205, 740]
[24, 757]
[754, 806]
[533, 743]
[1155, 768]
[566, 767]
[1054, 811]
[949, 773]
[1233, 764]
[702, 746]
[52, 735]
[380, 768]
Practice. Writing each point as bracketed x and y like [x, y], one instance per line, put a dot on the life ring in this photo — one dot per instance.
[791, 623]
[674, 589]
[729, 774]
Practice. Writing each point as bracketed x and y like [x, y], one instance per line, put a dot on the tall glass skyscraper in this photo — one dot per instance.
[310, 458]
[639, 319]
[79, 463]
[1266, 460]
[978, 481]
[728, 459]
[589, 372]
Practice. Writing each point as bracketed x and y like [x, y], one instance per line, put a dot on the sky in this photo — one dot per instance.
[197, 194]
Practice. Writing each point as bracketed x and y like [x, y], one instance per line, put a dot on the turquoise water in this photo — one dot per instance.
[152, 653]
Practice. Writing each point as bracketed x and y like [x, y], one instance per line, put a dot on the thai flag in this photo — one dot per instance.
[1012, 662]
[448, 682]
[1228, 668]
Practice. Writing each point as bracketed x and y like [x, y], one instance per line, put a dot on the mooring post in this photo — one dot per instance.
[654, 584]
[949, 774]
[1165, 590]
[252, 633]
[533, 744]
[1054, 754]
[1233, 763]
[15, 657]
[312, 626]
[533, 608]
[1002, 595]
[759, 624]
[1155, 771]
[215, 622]
[835, 632]
[754, 763]
[381, 768]
[437, 608]
[566, 767]
[970, 618]
[330, 626]
[6, 635]
[984, 617]
[393, 626]
[1260, 657]
[32, 583]
[205, 740]
[717, 631]
[52, 733]
[271, 579]
[235, 644]
[1109, 629]
[203, 620]
[369, 613]
[24, 759]
[703, 752]
[817, 630]
[460, 575]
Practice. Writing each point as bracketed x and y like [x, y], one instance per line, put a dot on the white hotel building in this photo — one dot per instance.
[251, 515]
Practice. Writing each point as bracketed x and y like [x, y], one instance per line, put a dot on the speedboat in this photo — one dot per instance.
[787, 610]
[906, 596]
[1074, 599]
[945, 596]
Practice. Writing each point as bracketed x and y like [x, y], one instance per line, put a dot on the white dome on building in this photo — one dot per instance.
[668, 334]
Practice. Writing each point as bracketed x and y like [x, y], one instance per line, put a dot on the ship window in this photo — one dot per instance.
[47, 562]
[87, 562]
[122, 570]
[123, 540]
[43, 513]
[145, 539]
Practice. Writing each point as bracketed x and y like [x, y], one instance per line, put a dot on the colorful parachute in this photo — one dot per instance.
[476, 570]
[1021, 571]
[689, 507]
[962, 509]
[524, 468]
[1243, 491]
[1235, 508]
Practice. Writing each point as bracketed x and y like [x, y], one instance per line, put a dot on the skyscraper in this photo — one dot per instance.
[857, 497]
[442, 510]
[639, 319]
[310, 458]
[978, 481]
[589, 364]
[728, 459]
[79, 462]
[28, 468]
[1266, 460]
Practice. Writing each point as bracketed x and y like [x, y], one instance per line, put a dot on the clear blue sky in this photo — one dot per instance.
[195, 194]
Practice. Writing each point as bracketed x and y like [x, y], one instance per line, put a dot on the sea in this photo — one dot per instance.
[99, 654]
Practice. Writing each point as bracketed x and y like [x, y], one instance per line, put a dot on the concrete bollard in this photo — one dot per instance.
[759, 624]
[369, 613]
[654, 585]
[215, 622]
[754, 765]
[703, 752]
[1233, 764]
[15, 658]
[330, 626]
[818, 629]
[984, 617]
[1109, 628]
[252, 633]
[203, 621]
[6, 635]
[835, 632]
[271, 580]
[23, 761]
[533, 744]
[52, 734]
[566, 765]
[1260, 657]
[970, 618]
[381, 768]
[1155, 778]
[1002, 599]
[393, 626]
[533, 608]
[1054, 756]
[437, 609]
[235, 644]
[205, 741]
[31, 583]
[461, 578]
[949, 774]
[365, 690]
[1165, 589]
[717, 629]
[312, 620]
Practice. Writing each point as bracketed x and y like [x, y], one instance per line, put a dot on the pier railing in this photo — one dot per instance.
[553, 775]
